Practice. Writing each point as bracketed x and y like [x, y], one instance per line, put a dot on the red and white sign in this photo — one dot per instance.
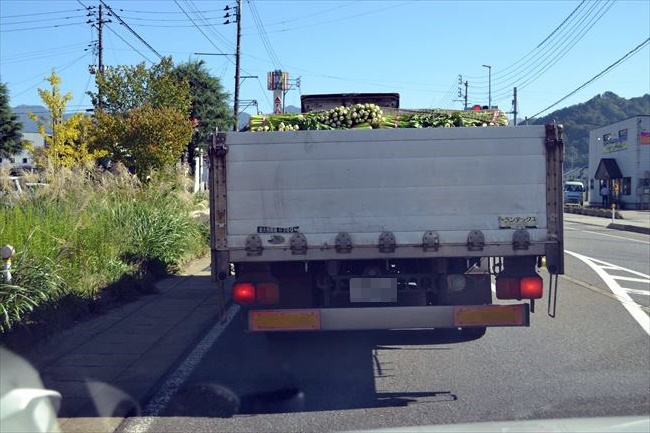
[277, 105]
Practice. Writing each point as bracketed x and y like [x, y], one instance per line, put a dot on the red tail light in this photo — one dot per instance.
[531, 287]
[244, 293]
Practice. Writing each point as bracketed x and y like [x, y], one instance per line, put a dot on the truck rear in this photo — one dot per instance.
[386, 228]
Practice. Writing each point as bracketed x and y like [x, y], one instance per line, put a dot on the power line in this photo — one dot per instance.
[552, 47]
[361, 14]
[202, 32]
[46, 20]
[553, 52]
[165, 12]
[600, 74]
[130, 29]
[319, 13]
[211, 28]
[41, 13]
[556, 51]
[63, 68]
[42, 54]
[126, 42]
[561, 24]
[502, 71]
[173, 20]
[538, 57]
[560, 52]
[171, 26]
[263, 36]
[40, 28]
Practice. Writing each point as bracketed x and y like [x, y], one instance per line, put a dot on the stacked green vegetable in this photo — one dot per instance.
[370, 116]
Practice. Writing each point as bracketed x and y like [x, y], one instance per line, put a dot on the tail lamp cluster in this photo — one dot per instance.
[515, 287]
[245, 293]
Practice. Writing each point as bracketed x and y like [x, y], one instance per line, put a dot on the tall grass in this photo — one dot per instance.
[87, 230]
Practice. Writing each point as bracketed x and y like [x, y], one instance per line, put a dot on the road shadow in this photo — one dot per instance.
[246, 374]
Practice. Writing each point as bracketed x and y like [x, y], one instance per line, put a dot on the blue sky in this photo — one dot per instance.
[416, 48]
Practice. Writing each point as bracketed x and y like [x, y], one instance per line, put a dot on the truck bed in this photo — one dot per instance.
[409, 182]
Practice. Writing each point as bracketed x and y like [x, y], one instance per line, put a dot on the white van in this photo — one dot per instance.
[574, 193]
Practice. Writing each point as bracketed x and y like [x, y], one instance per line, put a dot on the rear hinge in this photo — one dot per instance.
[387, 242]
[520, 239]
[218, 146]
[430, 241]
[475, 240]
[554, 134]
[254, 245]
[298, 244]
[343, 243]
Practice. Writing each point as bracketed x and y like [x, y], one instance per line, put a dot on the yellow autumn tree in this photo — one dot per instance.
[66, 139]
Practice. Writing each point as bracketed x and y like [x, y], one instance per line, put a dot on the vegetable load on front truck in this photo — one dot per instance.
[341, 228]
[371, 116]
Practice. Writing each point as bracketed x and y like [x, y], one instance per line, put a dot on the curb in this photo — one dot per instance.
[629, 228]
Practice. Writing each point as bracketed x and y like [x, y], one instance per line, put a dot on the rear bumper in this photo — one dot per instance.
[380, 318]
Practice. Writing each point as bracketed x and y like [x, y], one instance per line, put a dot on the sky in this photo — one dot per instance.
[547, 49]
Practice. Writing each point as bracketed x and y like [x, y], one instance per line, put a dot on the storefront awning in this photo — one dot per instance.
[608, 169]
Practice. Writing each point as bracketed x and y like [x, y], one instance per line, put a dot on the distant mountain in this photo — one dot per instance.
[28, 124]
[600, 110]
[244, 118]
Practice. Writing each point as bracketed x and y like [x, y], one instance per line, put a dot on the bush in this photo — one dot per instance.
[90, 229]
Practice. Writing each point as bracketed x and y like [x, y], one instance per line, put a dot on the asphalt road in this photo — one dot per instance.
[592, 359]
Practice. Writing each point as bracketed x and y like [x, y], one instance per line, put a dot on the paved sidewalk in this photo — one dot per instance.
[129, 348]
[635, 221]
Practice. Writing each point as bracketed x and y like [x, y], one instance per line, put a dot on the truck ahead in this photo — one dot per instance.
[386, 228]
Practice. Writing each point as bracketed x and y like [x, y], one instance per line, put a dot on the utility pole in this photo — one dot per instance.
[100, 47]
[293, 84]
[466, 86]
[489, 67]
[100, 56]
[237, 64]
[99, 70]
[460, 91]
[514, 105]
[237, 20]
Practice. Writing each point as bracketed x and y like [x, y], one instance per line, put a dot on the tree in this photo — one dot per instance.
[11, 141]
[122, 88]
[209, 104]
[149, 138]
[142, 115]
[68, 145]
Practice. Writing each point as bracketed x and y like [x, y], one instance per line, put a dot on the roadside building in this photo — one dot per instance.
[24, 160]
[619, 158]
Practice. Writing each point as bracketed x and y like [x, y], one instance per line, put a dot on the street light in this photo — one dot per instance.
[489, 85]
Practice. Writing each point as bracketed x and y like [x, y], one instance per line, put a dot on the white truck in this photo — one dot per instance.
[387, 228]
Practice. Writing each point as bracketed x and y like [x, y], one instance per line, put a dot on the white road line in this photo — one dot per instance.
[173, 383]
[628, 303]
[636, 291]
[636, 280]
[607, 234]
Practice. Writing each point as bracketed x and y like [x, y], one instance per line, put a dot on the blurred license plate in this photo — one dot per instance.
[297, 320]
[490, 315]
[373, 289]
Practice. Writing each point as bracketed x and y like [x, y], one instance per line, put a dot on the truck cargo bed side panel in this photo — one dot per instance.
[365, 182]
